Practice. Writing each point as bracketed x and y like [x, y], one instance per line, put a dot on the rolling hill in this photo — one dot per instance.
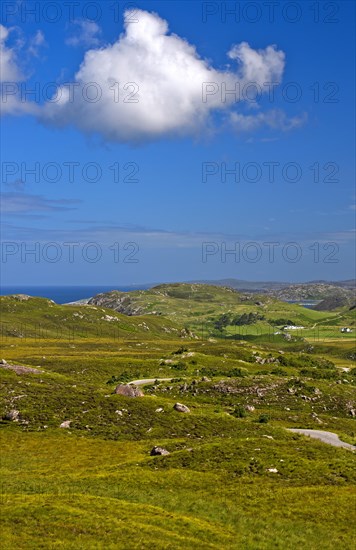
[199, 307]
[76, 462]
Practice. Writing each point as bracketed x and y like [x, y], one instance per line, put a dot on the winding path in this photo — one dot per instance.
[326, 437]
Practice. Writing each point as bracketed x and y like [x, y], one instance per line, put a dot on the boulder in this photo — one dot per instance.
[12, 415]
[3, 362]
[66, 424]
[159, 451]
[250, 408]
[129, 390]
[181, 408]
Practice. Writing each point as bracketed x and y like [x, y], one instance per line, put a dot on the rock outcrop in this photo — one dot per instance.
[181, 408]
[159, 451]
[129, 390]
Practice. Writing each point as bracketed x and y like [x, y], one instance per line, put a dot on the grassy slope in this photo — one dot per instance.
[42, 318]
[95, 484]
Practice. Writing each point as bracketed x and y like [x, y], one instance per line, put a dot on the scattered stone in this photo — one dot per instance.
[316, 418]
[159, 410]
[66, 424]
[12, 415]
[181, 408]
[205, 379]
[118, 412]
[272, 470]
[21, 297]
[250, 408]
[159, 451]
[129, 390]
[20, 369]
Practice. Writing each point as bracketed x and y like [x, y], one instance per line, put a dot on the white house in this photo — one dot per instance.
[292, 327]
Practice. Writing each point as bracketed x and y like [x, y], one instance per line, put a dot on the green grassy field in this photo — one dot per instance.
[235, 477]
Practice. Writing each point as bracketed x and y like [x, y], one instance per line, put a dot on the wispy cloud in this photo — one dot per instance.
[156, 238]
[274, 119]
[9, 64]
[36, 42]
[84, 33]
[24, 203]
[14, 60]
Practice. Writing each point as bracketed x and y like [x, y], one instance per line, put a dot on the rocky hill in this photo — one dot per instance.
[315, 291]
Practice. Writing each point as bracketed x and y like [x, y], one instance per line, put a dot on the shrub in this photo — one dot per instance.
[179, 351]
[239, 412]
[179, 366]
[263, 418]
[124, 377]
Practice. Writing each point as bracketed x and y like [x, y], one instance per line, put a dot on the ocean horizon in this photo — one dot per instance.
[64, 294]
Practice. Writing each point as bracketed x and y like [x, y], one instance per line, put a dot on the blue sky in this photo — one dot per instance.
[169, 211]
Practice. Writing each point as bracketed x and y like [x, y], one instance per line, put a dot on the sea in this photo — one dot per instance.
[309, 304]
[65, 294]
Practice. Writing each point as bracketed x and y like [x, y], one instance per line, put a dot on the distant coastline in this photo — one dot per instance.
[65, 294]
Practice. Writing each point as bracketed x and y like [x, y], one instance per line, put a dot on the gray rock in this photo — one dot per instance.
[66, 424]
[129, 390]
[12, 415]
[181, 408]
[159, 451]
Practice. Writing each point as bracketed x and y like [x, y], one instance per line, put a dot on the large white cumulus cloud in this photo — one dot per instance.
[168, 75]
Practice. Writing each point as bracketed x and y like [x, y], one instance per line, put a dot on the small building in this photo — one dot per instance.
[292, 327]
